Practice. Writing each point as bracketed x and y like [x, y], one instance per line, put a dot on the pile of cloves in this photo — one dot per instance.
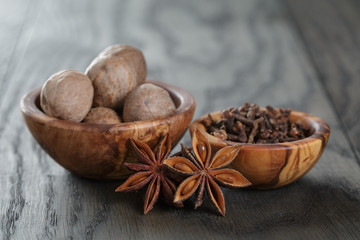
[252, 124]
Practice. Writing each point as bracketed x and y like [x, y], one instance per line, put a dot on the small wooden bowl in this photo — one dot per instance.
[274, 165]
[99, 150]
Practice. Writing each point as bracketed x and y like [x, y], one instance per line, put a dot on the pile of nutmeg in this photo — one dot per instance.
[112, 90]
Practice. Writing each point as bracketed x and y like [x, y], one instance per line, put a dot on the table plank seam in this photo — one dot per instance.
[320, 78]
[4, 83]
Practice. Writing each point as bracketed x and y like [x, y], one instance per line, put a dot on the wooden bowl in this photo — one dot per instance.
[99, 150]
[274, 165]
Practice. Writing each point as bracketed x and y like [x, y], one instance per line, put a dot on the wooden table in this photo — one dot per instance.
[298, 54]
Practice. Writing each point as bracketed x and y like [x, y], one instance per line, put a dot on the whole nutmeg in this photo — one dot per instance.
[115, 72]
[102, 115]
[147, 101]
[67, 95]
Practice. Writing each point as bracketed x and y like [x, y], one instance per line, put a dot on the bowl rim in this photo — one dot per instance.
[29, 108]
[320, 126]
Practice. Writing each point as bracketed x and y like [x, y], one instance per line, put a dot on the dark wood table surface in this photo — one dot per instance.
[299, 54]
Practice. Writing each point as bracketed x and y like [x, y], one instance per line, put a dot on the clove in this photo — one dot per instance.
[251, 124]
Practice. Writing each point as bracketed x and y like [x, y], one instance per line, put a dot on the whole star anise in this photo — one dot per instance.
[150, 169]
[200, 170]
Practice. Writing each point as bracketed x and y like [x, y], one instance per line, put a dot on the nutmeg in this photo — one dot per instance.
[67, 95]
[114, 73]
[147, 101]
[102, 115]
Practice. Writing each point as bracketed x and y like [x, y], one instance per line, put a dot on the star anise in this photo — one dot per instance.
[150, 170]
[200, 170]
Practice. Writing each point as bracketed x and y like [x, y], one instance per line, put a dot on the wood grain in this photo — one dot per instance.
[98, 151]
[332, 41]
[224, 53]
[269, 166]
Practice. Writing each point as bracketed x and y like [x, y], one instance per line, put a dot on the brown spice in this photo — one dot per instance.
[146, 102]
[151, 169]
[251, 124]
[202, 172]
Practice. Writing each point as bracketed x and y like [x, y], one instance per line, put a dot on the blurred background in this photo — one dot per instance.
[298, 54]
[257, 51]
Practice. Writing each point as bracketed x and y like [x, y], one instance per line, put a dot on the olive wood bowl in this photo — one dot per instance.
[274, 165]
[98, 151]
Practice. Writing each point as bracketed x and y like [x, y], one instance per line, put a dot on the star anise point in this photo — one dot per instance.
[205, 172]
[150, 171]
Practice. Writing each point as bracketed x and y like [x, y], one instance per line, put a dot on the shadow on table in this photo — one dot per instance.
[304, 204]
